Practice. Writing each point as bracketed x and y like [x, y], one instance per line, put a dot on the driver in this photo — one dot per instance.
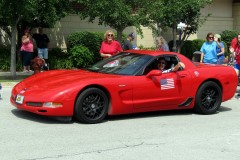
[162, 65]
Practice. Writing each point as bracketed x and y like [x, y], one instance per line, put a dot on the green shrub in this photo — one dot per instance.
[91, 40]
[189, 47]
[81, 57]
[88, 39]
[58, 59]
[228, 35]
[5, 58]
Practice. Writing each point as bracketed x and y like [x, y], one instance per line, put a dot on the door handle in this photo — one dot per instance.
[183, 75]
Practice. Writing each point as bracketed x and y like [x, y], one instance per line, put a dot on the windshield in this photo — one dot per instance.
[122, 63]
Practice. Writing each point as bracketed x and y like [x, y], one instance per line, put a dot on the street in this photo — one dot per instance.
[168, 135]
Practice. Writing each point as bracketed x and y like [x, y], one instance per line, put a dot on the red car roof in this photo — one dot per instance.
[151, 52]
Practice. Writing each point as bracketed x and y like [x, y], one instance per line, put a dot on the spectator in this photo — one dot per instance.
[27, 50]
[162, 64]
[109, 46]
[42, 41]
[209, 50]
[236, 54]
[127, 43]
[161, 44]
[220, 49]
[234, 42]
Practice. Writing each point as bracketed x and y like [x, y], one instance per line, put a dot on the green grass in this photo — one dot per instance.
[10, 80]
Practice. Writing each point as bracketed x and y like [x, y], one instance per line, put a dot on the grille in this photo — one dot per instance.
[34, 104]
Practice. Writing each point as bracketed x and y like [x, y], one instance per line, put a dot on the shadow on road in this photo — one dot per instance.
[224, 109]
[41, 119]
[67, 120]
[186, 112]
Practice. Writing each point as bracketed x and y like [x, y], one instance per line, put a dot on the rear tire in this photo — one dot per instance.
[208, 98]
[91, 106]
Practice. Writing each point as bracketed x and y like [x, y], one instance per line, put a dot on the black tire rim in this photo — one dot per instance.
[93, 106]
[210, 98]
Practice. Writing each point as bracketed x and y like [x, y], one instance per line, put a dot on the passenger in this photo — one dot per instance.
[162, 64]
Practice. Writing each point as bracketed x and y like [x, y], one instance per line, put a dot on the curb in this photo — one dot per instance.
[8, 84]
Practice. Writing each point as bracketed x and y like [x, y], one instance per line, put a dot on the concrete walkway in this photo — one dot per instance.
[4, 76]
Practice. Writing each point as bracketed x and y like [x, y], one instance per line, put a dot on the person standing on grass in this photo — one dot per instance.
[220, 48]
[127, 45]
[42, 41]
[27, 50]
[209, 50]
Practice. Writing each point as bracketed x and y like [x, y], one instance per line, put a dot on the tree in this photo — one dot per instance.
[117, 14]
[168, 13]
[16, 15]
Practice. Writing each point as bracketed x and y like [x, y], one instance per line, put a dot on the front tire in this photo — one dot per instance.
[208, 98]
[91, 106]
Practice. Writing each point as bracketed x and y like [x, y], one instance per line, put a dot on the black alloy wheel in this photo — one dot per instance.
[91, 106]
[208, 98]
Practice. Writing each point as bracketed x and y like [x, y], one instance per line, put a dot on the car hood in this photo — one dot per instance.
[57, 78]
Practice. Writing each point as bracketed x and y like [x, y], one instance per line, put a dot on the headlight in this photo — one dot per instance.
[52, 104]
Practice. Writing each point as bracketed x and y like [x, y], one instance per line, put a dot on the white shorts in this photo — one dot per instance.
[43, 53]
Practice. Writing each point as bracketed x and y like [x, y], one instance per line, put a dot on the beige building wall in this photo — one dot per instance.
[71, 24]
[220, 19]
[236, 16]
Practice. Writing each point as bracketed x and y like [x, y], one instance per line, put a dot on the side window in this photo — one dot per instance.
[171, 61]
[152, 66]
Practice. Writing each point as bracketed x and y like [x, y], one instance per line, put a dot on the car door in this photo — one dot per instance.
[165, 91]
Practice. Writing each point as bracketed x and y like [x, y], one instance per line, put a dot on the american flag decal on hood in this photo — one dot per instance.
[167, 83]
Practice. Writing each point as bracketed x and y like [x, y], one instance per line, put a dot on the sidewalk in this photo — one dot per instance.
[20, 75]
[4, 76]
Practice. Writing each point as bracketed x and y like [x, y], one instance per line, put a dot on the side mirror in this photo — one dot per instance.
[154, 73]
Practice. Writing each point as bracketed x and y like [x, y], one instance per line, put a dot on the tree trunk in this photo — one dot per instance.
[174, 49]
[119, 35]
[13, 52]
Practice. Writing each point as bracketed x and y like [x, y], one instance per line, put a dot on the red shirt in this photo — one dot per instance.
[234, 43]
[110, 48]
[237, 52]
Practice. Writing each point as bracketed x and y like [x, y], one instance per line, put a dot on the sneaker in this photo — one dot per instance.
[45, 68]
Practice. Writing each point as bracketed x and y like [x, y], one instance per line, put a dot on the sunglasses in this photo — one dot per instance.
[110, 35]
[210, 37]
[162, 62]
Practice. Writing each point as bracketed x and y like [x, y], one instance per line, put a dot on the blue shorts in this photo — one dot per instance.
[236, 66]
[43, 53]
[220, 60]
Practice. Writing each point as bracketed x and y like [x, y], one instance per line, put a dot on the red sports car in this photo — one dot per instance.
[128, 82]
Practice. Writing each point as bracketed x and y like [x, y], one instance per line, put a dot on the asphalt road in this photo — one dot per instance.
[171, 135]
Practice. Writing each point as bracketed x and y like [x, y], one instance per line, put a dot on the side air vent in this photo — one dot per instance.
[186, 103]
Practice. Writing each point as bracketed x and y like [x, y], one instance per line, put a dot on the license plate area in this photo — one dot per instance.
[19, 99]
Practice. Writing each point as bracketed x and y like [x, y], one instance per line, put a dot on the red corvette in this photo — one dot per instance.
[128, 82]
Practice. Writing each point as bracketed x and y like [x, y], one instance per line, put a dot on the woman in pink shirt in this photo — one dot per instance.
[109, 46]
[27, 50]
